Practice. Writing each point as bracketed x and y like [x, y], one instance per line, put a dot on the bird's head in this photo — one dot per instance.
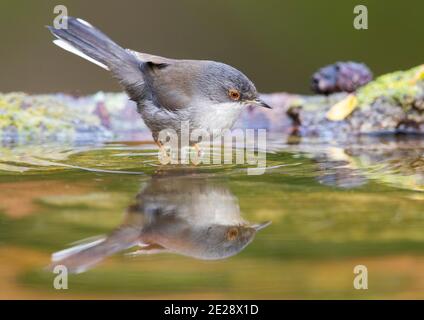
[221, 83]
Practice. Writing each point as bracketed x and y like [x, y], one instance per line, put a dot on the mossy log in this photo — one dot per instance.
[392, 103]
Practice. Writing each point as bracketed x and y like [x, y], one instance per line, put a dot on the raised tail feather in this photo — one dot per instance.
[84, 40]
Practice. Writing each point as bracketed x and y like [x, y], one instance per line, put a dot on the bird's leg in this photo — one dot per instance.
[198, 151]
[163, 155]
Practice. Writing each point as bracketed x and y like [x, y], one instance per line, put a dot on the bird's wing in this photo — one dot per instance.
[171, 80]
[173, 85]
[145, 57]
[149, 249]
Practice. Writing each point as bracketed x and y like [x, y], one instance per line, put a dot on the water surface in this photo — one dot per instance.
[202, 231]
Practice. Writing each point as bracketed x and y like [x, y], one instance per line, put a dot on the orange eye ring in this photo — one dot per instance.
[234, 94]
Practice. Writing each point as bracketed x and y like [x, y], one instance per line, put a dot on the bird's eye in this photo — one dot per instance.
[232, 234]
[234, 94]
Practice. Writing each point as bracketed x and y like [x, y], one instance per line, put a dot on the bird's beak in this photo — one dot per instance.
[258, 103]
[260, 226]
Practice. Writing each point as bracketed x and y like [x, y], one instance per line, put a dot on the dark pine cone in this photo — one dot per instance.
[341, 77]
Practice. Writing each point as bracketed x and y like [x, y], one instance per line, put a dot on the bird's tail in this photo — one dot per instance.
[89, 252]
[84, 40]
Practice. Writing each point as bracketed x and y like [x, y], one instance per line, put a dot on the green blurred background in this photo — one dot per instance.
[278, 44]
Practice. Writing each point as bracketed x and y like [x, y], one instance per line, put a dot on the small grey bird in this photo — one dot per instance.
[190, 215]
[209, 95]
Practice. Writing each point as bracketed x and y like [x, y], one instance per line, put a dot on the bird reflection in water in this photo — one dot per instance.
[188, 214]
